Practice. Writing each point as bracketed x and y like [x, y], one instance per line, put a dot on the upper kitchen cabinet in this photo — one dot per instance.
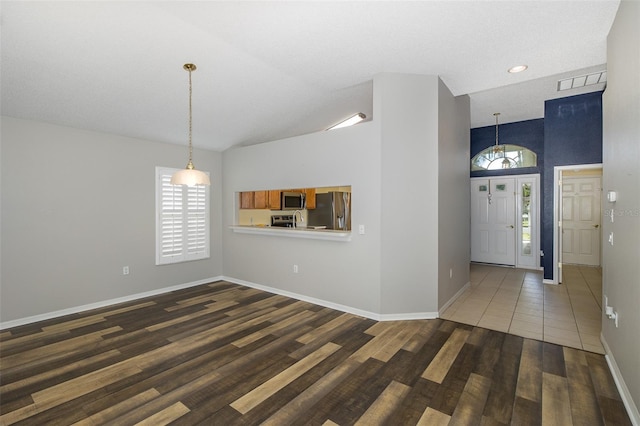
[310, 198]
[261, 199]
[247, 200]
[274, 199]
[271, 199]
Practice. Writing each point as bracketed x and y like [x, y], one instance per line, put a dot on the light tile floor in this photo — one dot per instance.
[516, 301]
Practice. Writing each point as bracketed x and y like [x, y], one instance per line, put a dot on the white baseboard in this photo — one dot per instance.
[407, 317]
[454, 298]
[627, 399]
[102, 304]
[343, 308]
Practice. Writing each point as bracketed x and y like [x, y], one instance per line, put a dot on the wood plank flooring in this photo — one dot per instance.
[223, 354]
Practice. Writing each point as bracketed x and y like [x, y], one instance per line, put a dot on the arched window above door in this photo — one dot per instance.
[498, 157]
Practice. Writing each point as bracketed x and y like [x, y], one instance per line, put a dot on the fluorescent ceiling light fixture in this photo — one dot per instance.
[354, 119]
[582, 81]
[517, 68]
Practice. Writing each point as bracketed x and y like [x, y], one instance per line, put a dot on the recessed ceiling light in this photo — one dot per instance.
[517, 68]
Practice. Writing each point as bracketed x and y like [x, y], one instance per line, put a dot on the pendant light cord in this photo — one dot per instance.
[496, 114]
[190, 176]
[190, 67]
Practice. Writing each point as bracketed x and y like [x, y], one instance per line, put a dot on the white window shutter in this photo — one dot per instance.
[197, 219]
[182, 224]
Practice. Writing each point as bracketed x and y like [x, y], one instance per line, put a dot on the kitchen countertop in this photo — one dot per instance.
[299, 232]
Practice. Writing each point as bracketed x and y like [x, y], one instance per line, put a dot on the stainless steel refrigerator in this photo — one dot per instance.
[333, 210]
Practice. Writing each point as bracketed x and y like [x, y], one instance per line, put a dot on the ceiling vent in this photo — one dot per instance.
[581, 81]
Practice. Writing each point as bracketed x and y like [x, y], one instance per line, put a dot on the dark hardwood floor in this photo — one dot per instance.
[223, 354]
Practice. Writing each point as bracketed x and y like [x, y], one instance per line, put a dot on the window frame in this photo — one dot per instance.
[190, 237]
[519, 157]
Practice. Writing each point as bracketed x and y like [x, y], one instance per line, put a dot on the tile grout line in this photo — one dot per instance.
[541, 320]
[591, 290]
[544, 315]
[513, 312]
[572, 309]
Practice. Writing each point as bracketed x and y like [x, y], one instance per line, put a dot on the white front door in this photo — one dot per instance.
[493, 221]
[581, 220]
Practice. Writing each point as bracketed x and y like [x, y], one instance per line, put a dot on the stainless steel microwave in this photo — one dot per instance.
[292, 200]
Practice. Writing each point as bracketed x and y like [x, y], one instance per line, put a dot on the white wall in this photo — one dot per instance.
[393, 167]
[454, 228]
[77, 206]
[345, 273]
[66, 236]
[621, 172]
[407, 109]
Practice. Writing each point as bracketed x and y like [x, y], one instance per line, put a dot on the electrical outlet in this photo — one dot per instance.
[295, 269]
[125, 270]
[450, 272]
[609, 312]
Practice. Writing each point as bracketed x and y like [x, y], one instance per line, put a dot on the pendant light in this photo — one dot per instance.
[496, 148]
[190, 176]
[506, 164]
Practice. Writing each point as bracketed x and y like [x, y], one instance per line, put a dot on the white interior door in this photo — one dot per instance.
[581, 220]
[493, 230]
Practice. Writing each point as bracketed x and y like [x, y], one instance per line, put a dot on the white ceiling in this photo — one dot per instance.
[273, 69]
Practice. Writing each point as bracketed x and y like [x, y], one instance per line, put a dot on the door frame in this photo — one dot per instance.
[535, 221]
[557, 214]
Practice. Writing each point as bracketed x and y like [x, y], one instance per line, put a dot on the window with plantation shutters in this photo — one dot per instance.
[182, 220]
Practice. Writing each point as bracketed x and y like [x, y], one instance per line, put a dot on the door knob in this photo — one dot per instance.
[596, 226]
[510, 226]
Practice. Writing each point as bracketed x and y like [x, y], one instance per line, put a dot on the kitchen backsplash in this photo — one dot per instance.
[262, 216]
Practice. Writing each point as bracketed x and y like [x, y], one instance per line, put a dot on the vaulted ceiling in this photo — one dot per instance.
[274, 69]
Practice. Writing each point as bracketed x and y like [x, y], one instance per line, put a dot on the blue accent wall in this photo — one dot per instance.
[570, 133]
[529, 134]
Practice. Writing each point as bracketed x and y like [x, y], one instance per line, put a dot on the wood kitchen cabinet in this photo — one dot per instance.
[261, 199]
[310, 196]
[246, 200]
[274, 200]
